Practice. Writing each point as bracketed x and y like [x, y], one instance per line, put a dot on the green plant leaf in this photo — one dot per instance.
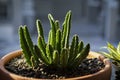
[80, 46]
[56, 58]
[57, 25]
[114, 53]
[41, 44]
[64, 58]
[24, 46]
[40, 55]
[37, 52]
[50, 38]
[118, 48]
[49, 52]
[66, 30]
[43, 51]
[29, 42]
[53, 30]
[82, 55]
[108, 55]
[111, 47]
[40, 30]
[73, 49]
[58, 40]
[67, 27]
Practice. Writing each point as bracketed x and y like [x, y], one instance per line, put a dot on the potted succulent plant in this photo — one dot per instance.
[54, 59]
[113, 54]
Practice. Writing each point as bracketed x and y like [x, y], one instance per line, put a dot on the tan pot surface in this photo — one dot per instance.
[103, 74]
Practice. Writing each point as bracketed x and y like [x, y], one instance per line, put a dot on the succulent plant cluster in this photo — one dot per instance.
[57, 52]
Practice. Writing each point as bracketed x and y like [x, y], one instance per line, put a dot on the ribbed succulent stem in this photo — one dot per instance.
[30, 43]
[24, 46]
[49, 52]
[40, 30]
[53, 30]
[50, 38]
[58, 40]
[68, 26]
[57, 25]
[40, 55]
[73, 48]
[82, 55]
[64, 58]
[37, 51]
[56, 57]
[80, 46]
[42, 49]
[66, 30]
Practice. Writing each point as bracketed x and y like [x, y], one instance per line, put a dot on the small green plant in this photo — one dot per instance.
[57, 52]
[113, 53]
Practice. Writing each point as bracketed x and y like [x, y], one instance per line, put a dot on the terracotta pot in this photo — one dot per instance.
[103, 74]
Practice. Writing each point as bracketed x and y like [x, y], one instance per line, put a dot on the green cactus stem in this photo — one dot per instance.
[64, 58]
[24, 46]
[56, 57]
[66, 30]
[40, 30]
[53, 30]
[58, 40]
[57, 52]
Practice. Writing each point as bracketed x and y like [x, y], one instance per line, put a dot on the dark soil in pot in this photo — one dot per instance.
[117, 77]
[19, 67]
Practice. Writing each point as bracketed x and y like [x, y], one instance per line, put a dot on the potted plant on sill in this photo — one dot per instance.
[55, 59]
[113, 54]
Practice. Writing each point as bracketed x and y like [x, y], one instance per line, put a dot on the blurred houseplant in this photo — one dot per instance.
[56, 54]
[114, 54]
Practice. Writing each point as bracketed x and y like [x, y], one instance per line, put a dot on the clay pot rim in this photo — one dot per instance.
[10, 55]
